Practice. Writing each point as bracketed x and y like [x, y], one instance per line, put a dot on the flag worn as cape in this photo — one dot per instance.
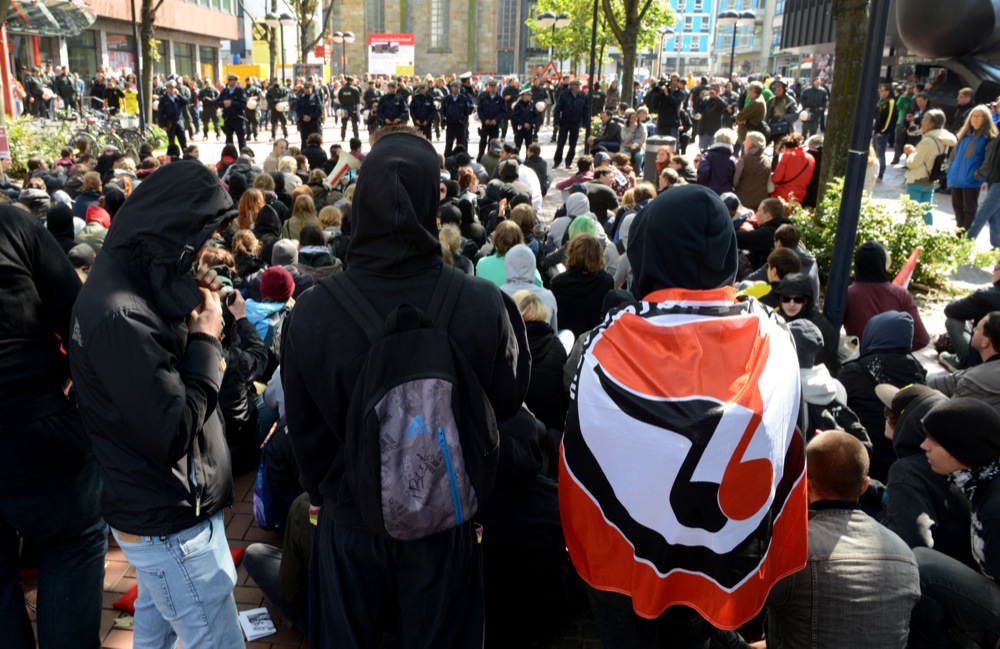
[682, 477]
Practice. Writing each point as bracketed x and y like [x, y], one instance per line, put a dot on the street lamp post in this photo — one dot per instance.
[663, 32]
[549, 20]
[734, 18]
[345, 38]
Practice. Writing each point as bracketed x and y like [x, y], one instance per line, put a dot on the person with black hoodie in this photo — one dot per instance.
[796, 301]
[921, 507]
[147, 366]
[885, 358]
[59, 223]
[49, 480]
[431, 589]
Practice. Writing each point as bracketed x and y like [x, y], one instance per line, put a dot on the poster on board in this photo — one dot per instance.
[391, 54]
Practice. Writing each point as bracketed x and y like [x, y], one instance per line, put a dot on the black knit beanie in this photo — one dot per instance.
[967, 428]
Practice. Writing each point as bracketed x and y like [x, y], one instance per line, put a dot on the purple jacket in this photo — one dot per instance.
[717, 168]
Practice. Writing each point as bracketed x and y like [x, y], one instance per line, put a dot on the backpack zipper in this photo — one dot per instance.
[452, 479]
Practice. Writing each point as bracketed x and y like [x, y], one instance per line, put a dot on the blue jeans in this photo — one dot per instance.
[881, 143]
[988, 212]
[921, 194]
[705, 140]
[66, 528]
[185, 588]
[955, 598]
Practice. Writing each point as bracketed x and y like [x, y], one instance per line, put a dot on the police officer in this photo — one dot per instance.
[510, 93]
[572, 109]
[276, 94]
[491, 109]
[170, 115]
[437, 93]
[209, 98]
[402, 90]
[253, 115]
[597, 99]
[234, 102]
[523, 118]
[65, 87]
[349, 97]
[392, 108]
[422, 110]
[540, 94]
[310, 112]
[456, 107]
[371, 99]
[467, 88]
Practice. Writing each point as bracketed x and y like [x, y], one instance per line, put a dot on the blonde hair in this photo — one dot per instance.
[531, 307]
[304, 208]
[263, 182]
[91, 180]
[450, 237]
[524, 216]
[250, 203]
[330, 216]
[288, 165]
[245, 243]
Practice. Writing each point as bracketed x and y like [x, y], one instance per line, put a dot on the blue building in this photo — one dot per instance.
[689, 48]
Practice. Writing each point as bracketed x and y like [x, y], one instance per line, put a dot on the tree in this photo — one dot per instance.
[851, 25]
[305, 15]
[4, 8]
[147, 27]
[570, 43]
[633, 24]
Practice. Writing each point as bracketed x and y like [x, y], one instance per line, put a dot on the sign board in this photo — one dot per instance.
[391, 54]
[550, 72]
[319, 51]
[4, 146]
[309, 70]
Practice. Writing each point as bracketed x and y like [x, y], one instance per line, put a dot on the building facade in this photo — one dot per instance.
[689, 48]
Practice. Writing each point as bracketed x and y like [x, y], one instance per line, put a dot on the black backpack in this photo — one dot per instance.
[939, 168]
[421, 441]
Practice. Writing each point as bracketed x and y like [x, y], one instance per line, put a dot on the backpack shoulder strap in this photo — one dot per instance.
[442, 305]
[355, 304]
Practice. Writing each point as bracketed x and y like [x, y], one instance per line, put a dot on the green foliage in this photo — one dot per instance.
[159, 136]
[28, 139]
[660, 14]
[881, 221]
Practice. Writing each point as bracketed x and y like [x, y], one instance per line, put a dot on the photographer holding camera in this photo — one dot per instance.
[667, 98]
[147, 365]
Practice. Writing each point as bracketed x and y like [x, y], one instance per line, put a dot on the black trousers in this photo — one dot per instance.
[234, 126]
[456, 133]
[275, 118]
[176, 130]
[572, 133]
[428, 592]
[425, 129]
[678, 628]
[252, 124]
[523, 136]
[307, 129]
[352, 115]
[214, 119]
[487, 132]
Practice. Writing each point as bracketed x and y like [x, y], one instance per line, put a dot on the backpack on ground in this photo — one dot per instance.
[421, 441]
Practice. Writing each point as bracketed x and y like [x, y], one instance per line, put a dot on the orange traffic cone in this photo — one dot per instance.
[904, 276]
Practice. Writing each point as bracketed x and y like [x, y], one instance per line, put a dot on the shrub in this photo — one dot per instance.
[156, 136]
[27, 140]
[942, 252]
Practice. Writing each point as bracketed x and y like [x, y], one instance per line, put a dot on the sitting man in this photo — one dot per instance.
[780, 262]
[759, 243]
[788, 236]
[982, 381]
[861, 581]
[962, 315]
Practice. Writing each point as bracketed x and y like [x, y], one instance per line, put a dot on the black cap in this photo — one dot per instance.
[81, 255]
[967, 428]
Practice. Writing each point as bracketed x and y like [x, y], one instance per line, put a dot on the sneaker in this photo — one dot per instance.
[950, 361]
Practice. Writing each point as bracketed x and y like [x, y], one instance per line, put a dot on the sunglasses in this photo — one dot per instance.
[798, 299]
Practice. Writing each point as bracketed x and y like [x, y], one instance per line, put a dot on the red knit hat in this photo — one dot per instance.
[277, 284]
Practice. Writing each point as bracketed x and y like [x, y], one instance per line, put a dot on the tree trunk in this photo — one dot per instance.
[146, 27]
[272, 43]
[4, 7]
[851, 24]
[631, 38]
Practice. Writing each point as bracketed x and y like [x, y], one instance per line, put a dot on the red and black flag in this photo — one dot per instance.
[682, 478]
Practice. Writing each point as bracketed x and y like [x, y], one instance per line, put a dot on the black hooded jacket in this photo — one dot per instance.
[921, 506]
[394, 257]
[60, 224]
[885, 358]
[148, 389]
[799, 284]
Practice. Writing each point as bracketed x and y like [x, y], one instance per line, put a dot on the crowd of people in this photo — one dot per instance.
[463, 412]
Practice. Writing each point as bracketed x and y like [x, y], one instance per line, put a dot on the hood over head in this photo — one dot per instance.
[99, 215]
[267, 223]
[113, 201]
[60, 223]
[891, 331]
[684, 238]
[577, 204]
[394, 220]
[808, 341]
[284, 253]
[159, 231]
[519, 263]
[909, 432]
[869, 262]
[451, 214]
[279, 181]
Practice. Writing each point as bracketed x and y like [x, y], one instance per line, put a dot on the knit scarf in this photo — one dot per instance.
[973, 483]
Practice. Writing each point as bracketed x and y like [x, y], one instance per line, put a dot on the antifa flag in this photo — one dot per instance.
[682, 477]
[345, 164]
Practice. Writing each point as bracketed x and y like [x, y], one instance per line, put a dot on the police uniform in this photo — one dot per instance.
[456, 108]
[523, 119]
[349, 97]
[371, 99]
[309, 105]
[276, 94]
[392, 106]
[510, 93]
[232, 116]
[209, 98]
[437, 94]
[253, 116]
[170, 114]
[422, 111]
[490, 108]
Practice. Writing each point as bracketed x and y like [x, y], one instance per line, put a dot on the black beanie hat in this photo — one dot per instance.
[967, 428]
[808, 341]
[683, 238]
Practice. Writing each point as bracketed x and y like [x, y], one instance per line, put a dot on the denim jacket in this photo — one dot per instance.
[857, 590]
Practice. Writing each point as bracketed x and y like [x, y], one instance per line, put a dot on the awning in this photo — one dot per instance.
[49, 17]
